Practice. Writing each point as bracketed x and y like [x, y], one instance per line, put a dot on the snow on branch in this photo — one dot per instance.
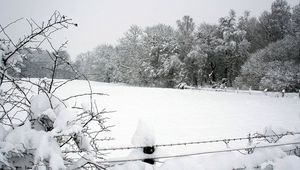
[37, 127]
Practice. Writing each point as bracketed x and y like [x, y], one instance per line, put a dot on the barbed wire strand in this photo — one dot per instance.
[199, 153]
[259, 136]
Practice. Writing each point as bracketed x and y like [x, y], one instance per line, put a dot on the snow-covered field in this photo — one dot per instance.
[187, 115]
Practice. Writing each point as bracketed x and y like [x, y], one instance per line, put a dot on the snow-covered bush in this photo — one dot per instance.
[38, 129]
[275, 67]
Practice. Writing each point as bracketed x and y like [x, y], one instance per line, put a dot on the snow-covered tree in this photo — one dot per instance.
[277, 23]
[185, 36]
[173, 71]
[83, 63]
[233, 46]
[160, 44]
[281, 75]
[37, 62]
[105, 64]
[275, 66]
[101, 64]
[255, 32]
[208, 38]
[130, 53]
[194, 64]
[296, 19]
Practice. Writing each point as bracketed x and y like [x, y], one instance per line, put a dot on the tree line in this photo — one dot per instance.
[240, 51]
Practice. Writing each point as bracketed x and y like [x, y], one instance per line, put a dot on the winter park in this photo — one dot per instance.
[144, 85]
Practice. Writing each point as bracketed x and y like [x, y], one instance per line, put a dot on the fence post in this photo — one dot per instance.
[144, 136]
[249, 139]
[250, 142]
[265, 91]
[282, 93]
[149, 150]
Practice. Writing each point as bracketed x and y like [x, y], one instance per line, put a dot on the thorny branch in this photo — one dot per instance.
[15, 102]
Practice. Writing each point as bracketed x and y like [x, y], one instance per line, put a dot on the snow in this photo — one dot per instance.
[133, 165]
[35, 139]
[168, 116]
[47, 104]
[41, 104]
[44, 147]
[290, 163]
[190, 115]
[225, 161]
[3, 133]
[185, 115]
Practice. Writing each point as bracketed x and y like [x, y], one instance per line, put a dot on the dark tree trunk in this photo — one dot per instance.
[195, 79]
[212, 75]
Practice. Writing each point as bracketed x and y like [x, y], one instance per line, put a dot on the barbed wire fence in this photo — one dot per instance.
[270, 139]
[206, 152]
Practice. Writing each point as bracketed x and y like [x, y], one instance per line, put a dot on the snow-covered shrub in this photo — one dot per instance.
[275, 67]
[38, 129]
[281, 75]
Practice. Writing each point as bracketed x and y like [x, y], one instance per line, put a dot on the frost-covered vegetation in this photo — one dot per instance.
[38, 129]
[257, 52]
[240, 51]
[51, 120]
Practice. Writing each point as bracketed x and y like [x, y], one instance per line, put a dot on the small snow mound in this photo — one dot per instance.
[48, 105]
[39, 104]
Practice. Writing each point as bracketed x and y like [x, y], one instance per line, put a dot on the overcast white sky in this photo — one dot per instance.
[105, 21]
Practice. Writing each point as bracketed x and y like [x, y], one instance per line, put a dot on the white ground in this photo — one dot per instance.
[188, 115]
